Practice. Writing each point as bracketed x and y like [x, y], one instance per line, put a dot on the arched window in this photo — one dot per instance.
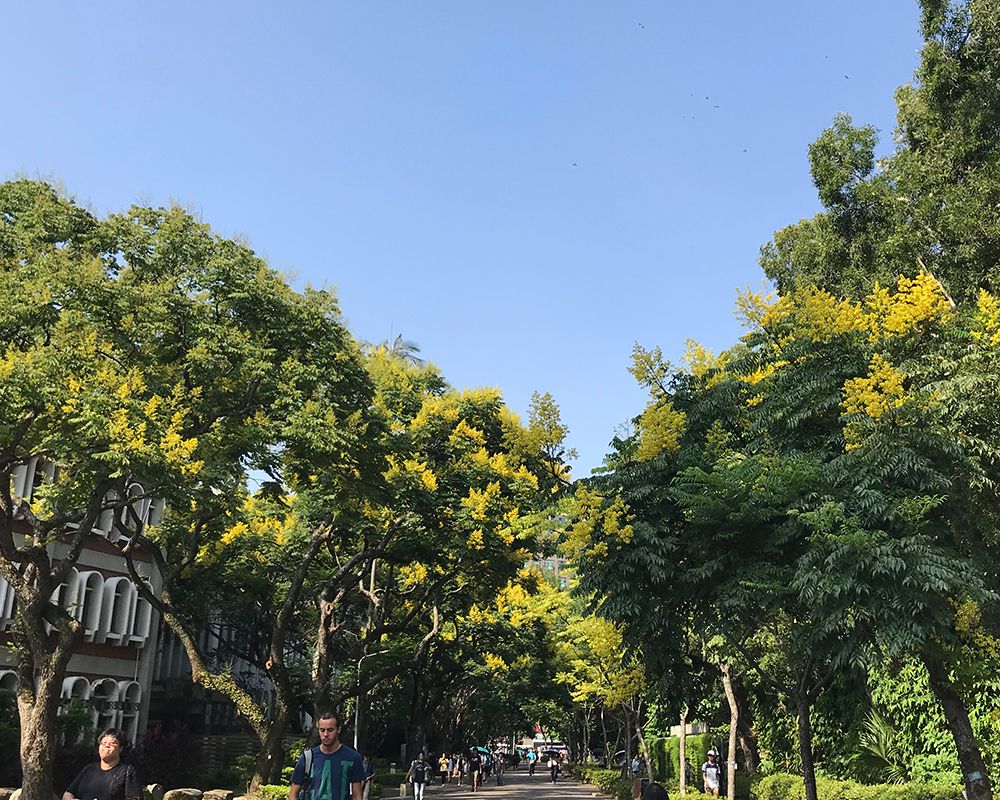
[104, 696]
[8, 681]
[32, 475]
[89, 601]
[156, 509]
[117, 611]
[105, 522]
[130, 697]
[139, 506]
[75, 688]
[143, 622]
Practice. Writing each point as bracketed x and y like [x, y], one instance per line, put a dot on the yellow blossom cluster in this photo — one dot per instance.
[988, 319]
[177, 450]
[700, 361]
[916, 302]
[660, 427]
[816, 315]
[876, 393]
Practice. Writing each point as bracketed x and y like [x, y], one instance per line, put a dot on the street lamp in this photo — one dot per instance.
[357, 700]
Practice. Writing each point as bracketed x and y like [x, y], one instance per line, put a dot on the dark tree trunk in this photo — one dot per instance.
[748, 742]
[977, 782]
[805, 747]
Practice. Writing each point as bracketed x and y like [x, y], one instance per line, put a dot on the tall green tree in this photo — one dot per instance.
[932, 201]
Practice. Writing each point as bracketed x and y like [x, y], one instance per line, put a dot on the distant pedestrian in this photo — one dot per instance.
[554, 767]
[500, 766]
[369, 767]
[711, 772]
[418, 775]
[443, 768]
[475, 770]
[532, 758]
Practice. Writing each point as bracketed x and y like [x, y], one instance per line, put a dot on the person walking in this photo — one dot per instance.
[532, 758]
[334, 770]
[475, 769]
[109, 778]
[711, 772]
[500, 767]
[443, 768]
[369, 766]
[418, 774]
[553, 767]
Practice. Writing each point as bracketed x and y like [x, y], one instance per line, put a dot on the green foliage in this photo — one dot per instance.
[783, 786]
[272, 792]
[932, 201]
[607, 781]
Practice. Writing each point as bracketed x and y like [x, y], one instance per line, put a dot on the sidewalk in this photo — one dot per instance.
[518, 785]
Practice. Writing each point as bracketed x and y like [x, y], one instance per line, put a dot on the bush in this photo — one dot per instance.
[607, 781]
[783, 786]
[271, 791]
[665, 755]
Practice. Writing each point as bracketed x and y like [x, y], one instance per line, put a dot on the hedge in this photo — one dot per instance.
[665, 755]
[782, 786]
[272, 791]
[607, 781]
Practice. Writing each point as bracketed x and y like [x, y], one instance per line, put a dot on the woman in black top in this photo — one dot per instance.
[109, 778]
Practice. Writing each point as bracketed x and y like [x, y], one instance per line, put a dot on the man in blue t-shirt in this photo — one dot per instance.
[337, 772]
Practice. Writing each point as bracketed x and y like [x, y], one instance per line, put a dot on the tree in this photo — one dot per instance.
[932, 201]
[802, 489]
[146, 357]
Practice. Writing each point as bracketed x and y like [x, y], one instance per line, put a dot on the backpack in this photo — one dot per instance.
[306, 790]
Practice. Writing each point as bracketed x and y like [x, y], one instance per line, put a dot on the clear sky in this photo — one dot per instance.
[522, 187]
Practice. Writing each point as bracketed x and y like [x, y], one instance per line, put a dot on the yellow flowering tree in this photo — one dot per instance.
[822, 474]
[144, 359]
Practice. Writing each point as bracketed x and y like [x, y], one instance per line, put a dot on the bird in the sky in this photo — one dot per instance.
[641, 25]
[848, 77]
[575, 164]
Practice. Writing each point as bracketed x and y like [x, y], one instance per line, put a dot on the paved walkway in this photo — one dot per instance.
[518, 785]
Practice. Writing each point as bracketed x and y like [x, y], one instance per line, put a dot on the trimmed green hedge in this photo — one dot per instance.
[665, 755]
[782, 786]
[606, 781]
[272, 791]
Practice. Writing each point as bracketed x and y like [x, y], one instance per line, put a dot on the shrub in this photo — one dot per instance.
[782, 786]
[271, 791]
[606, 781]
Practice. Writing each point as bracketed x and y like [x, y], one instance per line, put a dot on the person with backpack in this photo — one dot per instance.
[475, 770]
[330, 771]
[418, 775]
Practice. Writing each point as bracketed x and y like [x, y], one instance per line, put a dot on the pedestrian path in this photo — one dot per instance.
[519, 785]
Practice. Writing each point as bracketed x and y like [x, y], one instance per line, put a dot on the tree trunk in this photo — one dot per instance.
[805, 747]
[682, 752]
[37, 711]
[640, 734]
[734, 718]
[977, 782]
[748, 742]
[607, 744]
[41, 669]
[270, 758]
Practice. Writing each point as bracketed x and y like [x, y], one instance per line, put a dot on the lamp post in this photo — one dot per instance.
[357, 701]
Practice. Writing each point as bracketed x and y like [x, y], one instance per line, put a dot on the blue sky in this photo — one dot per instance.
[524, 188]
